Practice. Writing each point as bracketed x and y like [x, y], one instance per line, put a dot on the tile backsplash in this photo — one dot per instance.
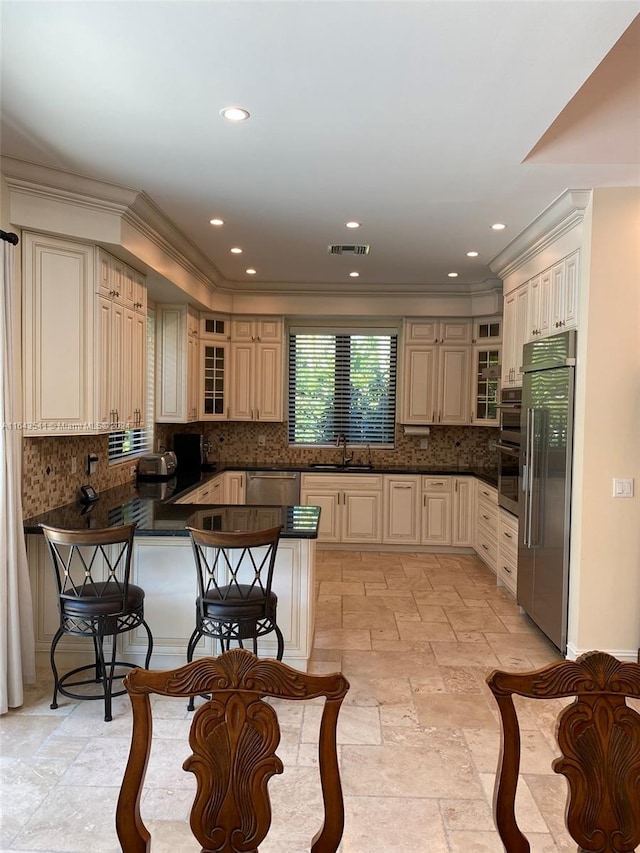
[48, 480]
[252, 444]
[47, 464]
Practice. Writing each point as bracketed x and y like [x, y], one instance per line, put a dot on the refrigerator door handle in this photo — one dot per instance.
[531, 438]
[527, 475]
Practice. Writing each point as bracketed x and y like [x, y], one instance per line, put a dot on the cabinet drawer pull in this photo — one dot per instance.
[507, 569]
[508, 535]
[486, 547]
[486, 517]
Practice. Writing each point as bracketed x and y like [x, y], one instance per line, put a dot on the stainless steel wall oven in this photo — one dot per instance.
[509, 449]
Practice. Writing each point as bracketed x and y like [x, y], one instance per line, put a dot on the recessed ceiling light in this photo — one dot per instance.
[354, 274]
[234, 114]
[452, 274]
[498, 226]
[352, 224]
[235, 251]
[250, 271]
[216, 221]
[472, 254]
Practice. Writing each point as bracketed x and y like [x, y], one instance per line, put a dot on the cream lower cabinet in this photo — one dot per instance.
[486, 526]
[401, 506]
[508, 550]
[351, 506]
[226, 488]
[463, 510]
[436, 511]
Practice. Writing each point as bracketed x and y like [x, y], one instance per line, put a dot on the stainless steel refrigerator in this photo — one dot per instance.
[545, 483]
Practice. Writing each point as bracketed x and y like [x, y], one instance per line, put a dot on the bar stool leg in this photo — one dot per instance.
[54, 643]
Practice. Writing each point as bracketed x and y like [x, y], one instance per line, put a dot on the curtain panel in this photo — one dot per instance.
[17, 643]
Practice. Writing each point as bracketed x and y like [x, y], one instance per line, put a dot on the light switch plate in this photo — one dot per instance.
[623, 487]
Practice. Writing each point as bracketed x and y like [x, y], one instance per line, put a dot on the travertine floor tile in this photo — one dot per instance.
[416, 635]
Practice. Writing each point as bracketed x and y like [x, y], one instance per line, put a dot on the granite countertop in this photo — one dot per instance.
[152, 504]
[157, 516]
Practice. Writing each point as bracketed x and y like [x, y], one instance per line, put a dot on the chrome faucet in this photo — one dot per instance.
[341, 440]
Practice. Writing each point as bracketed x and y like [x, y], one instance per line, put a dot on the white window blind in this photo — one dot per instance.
[342, 382]
[133, 442]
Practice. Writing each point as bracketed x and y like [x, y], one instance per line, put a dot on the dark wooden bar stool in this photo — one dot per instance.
[235, 600]
[96, 600]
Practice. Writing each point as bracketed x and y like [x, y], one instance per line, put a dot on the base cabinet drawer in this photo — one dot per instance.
[508, 573]
[508, 550]
[487, 547]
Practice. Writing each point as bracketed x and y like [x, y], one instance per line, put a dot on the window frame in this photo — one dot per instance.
[348, 329]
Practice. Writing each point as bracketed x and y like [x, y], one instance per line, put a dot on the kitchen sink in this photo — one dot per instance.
[327, 466]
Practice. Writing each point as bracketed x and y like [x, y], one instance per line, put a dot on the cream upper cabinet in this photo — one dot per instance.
[485, 382]
[421, 331]
[256, 329]
[80, 369]
[487, 330]
[401, 509]
[515, 325]
[256, 384]
[193, 364]
[58, 335]
[544, 305]
[122, 342]
[177, 364]
[435, 372]
[351, 506]
[564, 295]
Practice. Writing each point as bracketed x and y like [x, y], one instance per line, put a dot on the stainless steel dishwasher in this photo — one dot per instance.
[273, 488]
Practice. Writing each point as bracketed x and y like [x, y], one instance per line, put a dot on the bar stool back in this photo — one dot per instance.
[95, 599]
[235, 600]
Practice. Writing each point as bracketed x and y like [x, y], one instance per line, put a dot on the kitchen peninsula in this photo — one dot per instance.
[163, 566]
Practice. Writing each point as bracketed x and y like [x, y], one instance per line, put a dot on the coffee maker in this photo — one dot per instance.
[189, 450]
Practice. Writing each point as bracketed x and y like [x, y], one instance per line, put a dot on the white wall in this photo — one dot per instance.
[605, 546]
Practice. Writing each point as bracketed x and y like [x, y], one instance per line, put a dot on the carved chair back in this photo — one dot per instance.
[598, 735]
[233, 736]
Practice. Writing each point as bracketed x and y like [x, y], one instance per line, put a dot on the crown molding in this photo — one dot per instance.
[562, 215]
[246, 288]
[134, 207]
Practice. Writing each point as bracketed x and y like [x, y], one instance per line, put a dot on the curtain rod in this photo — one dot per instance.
[10, 237]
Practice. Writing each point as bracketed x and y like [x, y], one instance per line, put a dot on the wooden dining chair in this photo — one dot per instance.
[598, 735]
[233, 736]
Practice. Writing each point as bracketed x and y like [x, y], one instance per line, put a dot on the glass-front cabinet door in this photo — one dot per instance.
[214, 367]
[486, 381]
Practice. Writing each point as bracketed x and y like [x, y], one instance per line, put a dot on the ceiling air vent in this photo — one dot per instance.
[351, 249]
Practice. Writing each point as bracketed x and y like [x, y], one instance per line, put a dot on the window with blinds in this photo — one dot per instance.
[342, 383]
[133, 442]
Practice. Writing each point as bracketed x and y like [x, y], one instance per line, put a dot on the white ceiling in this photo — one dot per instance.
[415, 118]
